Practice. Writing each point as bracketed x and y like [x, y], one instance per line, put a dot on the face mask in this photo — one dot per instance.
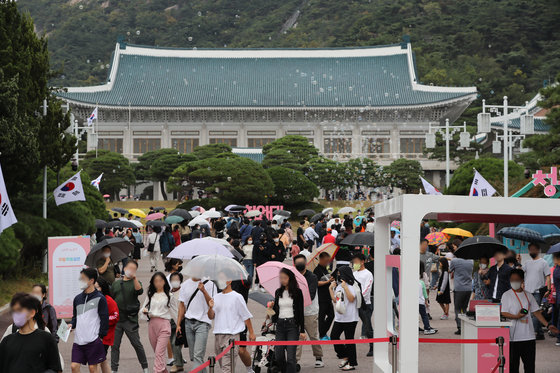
[39, 297]
[222, 284]
[515, 285]
[300, 266]
[128, 273]
[356, 266]
[276, 239]
[483, 266]
[249, 242]
[533, 255]
[83, 285]
[180, 269]
[107, 255]
[19, 319]
[175, 284]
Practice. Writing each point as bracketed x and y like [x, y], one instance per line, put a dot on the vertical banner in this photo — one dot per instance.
[66, 259]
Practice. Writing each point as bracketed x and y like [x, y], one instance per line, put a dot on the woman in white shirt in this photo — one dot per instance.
[153, 248]
[158, 308]
[346, 299]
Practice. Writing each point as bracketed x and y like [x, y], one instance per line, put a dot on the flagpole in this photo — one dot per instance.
[96, 128]
[506, 147]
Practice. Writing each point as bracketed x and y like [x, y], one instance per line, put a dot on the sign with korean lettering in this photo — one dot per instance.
[548, 181]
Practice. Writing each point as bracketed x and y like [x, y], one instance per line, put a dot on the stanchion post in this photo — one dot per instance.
[393, 341]
[232, 354]
[501, 357]
[212, 361]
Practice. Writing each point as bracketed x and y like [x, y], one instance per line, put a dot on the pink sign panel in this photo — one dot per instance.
[266, 210]
[66, 259]
[488, 353]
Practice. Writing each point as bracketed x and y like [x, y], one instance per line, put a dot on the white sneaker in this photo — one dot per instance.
[146, 370]
[444, 317]
[170, 361]
[250, 370]
[263, 290]
[319, 364]
[430, 331]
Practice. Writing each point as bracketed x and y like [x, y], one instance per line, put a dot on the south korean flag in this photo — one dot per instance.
[7, 217]
[70, 191]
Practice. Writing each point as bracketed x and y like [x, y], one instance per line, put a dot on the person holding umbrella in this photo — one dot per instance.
[105, 266]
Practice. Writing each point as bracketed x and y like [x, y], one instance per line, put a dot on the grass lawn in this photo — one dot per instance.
[10, 286]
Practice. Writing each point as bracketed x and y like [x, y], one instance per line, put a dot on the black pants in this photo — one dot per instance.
[526, 351]
[345, 351]
[326, 317]
[461, 303]
[286, 330]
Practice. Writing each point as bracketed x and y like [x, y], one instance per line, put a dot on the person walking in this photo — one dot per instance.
[173, 265]
[537, 281]
[90, 322]
[105, 266]
[365, 279]
[166, 242]
[175, 280]
[126, 291]
[423, 304]
[103, 286]
[157, 307]
[248, 258]
[310, 235]
[346, 300]
[462, 270]
[497, 282]
[326, 310]
[154, 248]
[276, 250]
[48, 312]
[311, 312]
[443, 289]
[556, 303]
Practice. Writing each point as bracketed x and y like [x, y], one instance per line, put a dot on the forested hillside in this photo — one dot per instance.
[508, 47]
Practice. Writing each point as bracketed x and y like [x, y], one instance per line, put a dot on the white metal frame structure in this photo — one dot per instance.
[411, 209]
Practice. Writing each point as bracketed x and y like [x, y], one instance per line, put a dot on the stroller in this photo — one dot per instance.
[263, 356]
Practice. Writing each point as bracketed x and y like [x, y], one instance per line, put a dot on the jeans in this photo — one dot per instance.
[326, 317]
[177, 350]
[365, 316]
[461, 303]
[131, 330]
[424, 316]
[197, 336]
[286, 330]
[434, 280]
[524, 350]
[345, 351]
[248, 264]
[536, 323]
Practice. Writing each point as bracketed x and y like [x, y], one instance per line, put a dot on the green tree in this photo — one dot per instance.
[405, 174]
[164, 166]
[492, 169]
[9, 251]
[325, 173]
[210, 150]
[289, 151]
[143, 168]
[117, 172]
[291, 187]
[362, 172]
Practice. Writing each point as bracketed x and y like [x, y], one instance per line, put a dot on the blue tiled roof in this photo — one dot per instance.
[153, 79]
[540, 125]
[254, 154]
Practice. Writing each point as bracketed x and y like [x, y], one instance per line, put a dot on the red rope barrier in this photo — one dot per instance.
[456, 341]
[496, 367]
[218, 357]
[360, 341]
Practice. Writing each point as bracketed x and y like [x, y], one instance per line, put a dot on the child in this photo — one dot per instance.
[423, 303]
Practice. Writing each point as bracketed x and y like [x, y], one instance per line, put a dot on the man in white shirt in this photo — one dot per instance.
[365, 278]
[193, 307]
[517, 305]
[537, 276]
[310, 235]
[370, 226]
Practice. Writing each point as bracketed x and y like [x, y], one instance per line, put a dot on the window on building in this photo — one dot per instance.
[337, 145]
[142, 146]
[412, 145]
[184, 145]
[259, 142]
[231, 142]
[377, 145]
[112, 145]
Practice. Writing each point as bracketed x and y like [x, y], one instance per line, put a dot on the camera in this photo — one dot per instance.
[524, 311]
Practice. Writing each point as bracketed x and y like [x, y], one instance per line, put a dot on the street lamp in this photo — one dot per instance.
[447, 132]
[526, 127]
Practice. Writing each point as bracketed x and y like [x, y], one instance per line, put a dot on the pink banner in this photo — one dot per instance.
[66, 259]
[266, 210]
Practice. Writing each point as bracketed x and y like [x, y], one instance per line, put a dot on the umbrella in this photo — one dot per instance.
[235, 208]
[174, 219]
[211, 266]
[120, 248]
[279, 218]
[369, 209]
[159, 208]
[346, 210]
[554, 249]
[396, 224]
[520, 233]
[313, 260]
[359, 239]
[316, 217]
[479, 246]
[437, 238]
[333, 221]
[121, 224]
[282, 212]
[155, 216]
[182, 213]
[358, 220]
[156, 223]
[397, 231]
[137, 223]
[550, 232]
[211, 214]
[198, 220]
[119, 210]
[223, 242]
[306, 212]
[200, 209]
[327, 210]
[253, 213]
[137, 212]
[269, 273]
[100, 223]
[457, 232]
[106, 196]
[199, 246]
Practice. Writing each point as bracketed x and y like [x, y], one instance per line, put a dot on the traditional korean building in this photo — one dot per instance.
[349, 102]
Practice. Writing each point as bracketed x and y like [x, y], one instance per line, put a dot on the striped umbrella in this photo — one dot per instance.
[520, 233]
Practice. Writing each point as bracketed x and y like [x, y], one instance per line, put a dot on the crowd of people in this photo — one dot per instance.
[181, 311]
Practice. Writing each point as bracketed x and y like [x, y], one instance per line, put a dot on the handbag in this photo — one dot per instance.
[433, 268]
[180, 339]
[339, 305]
[151, 245]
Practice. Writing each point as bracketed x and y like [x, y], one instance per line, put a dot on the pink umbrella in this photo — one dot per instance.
[269, 273]
[155, 216]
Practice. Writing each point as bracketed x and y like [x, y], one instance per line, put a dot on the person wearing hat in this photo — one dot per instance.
[329, 238]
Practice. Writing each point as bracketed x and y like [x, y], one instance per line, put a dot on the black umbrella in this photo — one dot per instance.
[100, 224]
[182, 213]
[159, 208]
[156, 223]
[119, 210]
[120, 249]
[359, 239]
[479, 246]
[369, 209]
[317, 217]
[282, 212]
[121, 224]
[307, 212]
[520, 233]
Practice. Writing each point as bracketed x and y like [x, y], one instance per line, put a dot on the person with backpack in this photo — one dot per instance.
[166, 242]
[154, 248]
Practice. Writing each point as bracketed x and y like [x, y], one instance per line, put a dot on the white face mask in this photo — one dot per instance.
[39, 297]
[276, 239]
[107, 255]
[515, 285]
[483, 266]
[222, 284]
[128, 273]
[83, 284]
[175, 284]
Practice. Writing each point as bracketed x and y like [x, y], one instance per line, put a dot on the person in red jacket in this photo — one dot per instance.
[105, 289]
[329, 238]
[176, 235]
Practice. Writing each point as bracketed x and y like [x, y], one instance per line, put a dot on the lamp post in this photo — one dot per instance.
[526, 127]
[447, 132]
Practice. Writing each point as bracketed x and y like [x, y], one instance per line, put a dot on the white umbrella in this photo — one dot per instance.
[137, 223]
[220, 241]
[279, 218]
[211, 214]
[346, 210]
[327, 210]
[333, 221]
[198, 246]
[198, 220]
[194, 213]
[253, 213]
[216, 267]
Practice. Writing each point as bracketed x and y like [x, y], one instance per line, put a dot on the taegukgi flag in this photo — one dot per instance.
[96, 182]
[480, 187]
[71, 190]
[7, 216]
[429, 188]
[92, 117]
